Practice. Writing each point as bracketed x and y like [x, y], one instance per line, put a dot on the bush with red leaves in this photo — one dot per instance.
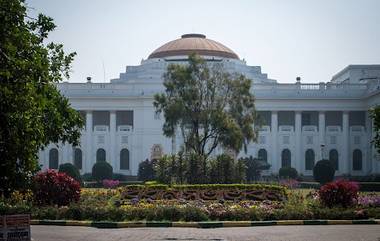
[339, 193]
[55, 188]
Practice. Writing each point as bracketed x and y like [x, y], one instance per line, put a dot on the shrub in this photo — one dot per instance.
[163, 169]
[51, 187]
[146, 171]
[101, 171]
[70, 170]
[339, 193]
[87, 177]
[254, 168]
[222, 169]
[324, 171]
[110, 183]
[288, 172]
[290, 183]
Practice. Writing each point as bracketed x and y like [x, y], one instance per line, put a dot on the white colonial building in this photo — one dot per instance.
[301, 122]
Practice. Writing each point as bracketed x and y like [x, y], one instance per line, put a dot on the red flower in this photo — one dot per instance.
[52, 187]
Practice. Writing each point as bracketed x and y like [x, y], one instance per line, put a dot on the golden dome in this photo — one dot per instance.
[193, 43]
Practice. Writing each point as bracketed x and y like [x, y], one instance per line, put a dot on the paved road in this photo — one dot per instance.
[269, 233]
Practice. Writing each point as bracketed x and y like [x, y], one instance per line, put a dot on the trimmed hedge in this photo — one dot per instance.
[369, 186]
[324, 171]
[288, 172]
[70, 170]
[186, 213]
[259, 192]
[102, 170]
[94, 184]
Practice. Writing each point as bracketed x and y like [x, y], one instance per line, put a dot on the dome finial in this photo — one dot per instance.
[193, 35]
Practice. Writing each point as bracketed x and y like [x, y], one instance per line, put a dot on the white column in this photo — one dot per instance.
[66, 154]
[368, 166]
[113, 161]
[46, 155]
[298, 136]
[322, 139]
[274, 130]
[374, 153]
[88, 161]
[345, 157]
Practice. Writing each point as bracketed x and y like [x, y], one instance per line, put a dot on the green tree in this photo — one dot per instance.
[254, 168]
[146, 171]
[375, 114]
[209, 106]
[163, 169]
[33, 113]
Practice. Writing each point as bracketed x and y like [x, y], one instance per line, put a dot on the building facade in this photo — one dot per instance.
[302, 123]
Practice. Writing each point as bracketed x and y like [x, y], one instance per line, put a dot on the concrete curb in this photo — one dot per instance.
[208, 224]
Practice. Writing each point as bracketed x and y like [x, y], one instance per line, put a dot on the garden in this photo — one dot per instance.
[57, 196]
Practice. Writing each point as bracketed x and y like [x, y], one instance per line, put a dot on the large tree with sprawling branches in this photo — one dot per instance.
[210, 107]
[33, 112]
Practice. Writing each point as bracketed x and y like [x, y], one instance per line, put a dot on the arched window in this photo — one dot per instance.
[334, 158]
[124, 159]
[357, 160]
[286, 158]
[53, 158]
[309, 159]
[263, 155]
[100, 155]
[78, 158]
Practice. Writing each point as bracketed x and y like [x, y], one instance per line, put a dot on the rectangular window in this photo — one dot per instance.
[306, 119]
[357, 140]
[101, 139]
[309, 140]
[286, 139]
[333, 140]
[262, 139]
[124, 139]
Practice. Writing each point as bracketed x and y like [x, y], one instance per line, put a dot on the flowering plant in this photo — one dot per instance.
[52, 187]
[107, 183]
[370, 200]
[289, 183]
[339, 193]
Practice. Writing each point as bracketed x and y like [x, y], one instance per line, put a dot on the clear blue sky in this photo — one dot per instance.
[287, 38]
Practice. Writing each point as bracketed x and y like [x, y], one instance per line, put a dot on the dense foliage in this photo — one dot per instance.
[70, 170]
[33, 113]
[145, 171]
[186, 169]
[375, 114]
[288, 172]
[254, 168]
[102, 170]
[324, 171]
[52, 187]
[209, 106]
[339, 193]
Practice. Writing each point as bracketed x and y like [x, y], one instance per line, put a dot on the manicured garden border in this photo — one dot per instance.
[209, 224]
